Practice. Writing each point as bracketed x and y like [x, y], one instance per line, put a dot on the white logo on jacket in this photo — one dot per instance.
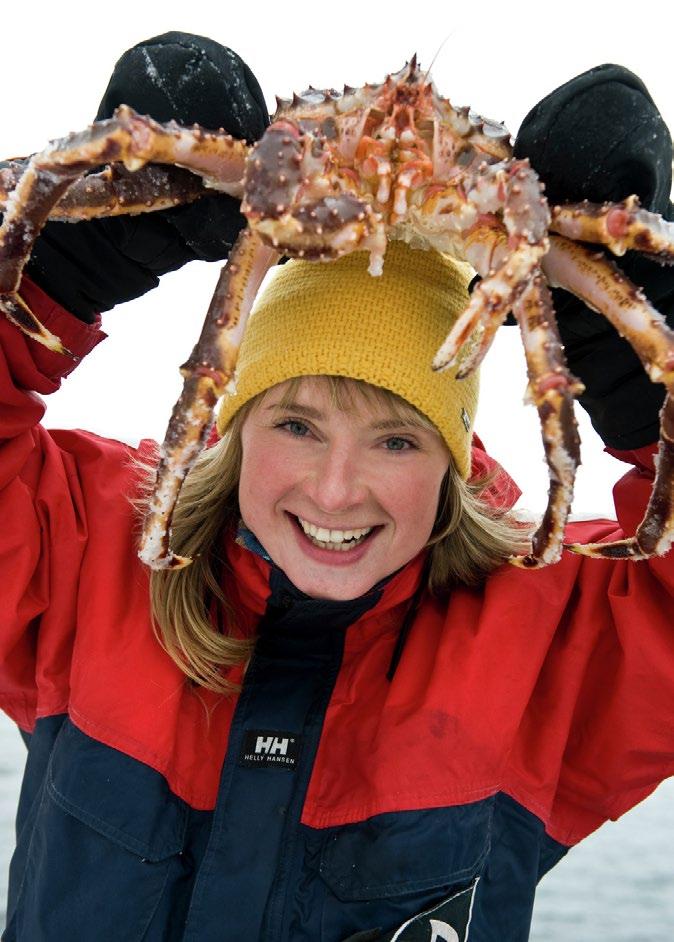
[443, 931]
[271, 745]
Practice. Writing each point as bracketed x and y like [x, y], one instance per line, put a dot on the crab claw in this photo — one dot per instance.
[494, 297]
[620, 549]
[18, 313]
[655, 533]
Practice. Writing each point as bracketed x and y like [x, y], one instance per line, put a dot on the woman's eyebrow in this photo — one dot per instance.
[394, 422]
[297, 407]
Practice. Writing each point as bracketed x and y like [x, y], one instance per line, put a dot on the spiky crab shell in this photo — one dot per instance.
[335, 172]
[348, 115]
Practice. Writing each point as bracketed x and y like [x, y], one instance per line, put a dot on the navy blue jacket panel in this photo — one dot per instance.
[105, 851]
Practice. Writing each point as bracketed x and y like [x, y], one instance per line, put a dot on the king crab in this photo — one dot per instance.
[335, 173]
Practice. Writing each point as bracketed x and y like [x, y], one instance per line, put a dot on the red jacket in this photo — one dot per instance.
[554, 688]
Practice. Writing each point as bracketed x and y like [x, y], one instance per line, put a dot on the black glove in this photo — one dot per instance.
[91, 266]
[600, 137]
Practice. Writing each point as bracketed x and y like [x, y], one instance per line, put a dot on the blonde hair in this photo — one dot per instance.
[469, 540]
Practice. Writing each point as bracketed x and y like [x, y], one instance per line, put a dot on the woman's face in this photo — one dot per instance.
[339, 499]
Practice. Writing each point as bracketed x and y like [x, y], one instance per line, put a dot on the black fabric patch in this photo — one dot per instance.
[448, 921]
[270, 747]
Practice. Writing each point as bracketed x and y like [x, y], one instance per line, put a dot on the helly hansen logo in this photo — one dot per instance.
[269, 747]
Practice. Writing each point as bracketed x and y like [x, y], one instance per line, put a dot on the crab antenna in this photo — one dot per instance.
[439, 50]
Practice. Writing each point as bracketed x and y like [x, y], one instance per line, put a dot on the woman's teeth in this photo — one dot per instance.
[334, 539]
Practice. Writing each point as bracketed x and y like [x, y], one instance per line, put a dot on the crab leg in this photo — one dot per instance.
[518, 191]
[26, 212]
[10, 174]
[551, 389]
[127, 137]
[207, 372]
[620, 226]
[605, 288]
[114, 191]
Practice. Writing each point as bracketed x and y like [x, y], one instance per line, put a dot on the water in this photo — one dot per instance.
[12, 758]
[617, 886]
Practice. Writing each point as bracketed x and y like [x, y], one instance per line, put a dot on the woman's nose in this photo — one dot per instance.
[337, 482]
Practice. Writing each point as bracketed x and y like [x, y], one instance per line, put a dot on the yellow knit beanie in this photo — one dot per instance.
[334, 318]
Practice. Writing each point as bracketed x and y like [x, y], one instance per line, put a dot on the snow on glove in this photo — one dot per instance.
[91, 266]
[601, 137]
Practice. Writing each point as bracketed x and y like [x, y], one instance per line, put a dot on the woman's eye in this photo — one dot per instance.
[296, 428]
[395, 443]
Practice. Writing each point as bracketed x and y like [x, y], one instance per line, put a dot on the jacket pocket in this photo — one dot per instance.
[388, 869]
[106, 834]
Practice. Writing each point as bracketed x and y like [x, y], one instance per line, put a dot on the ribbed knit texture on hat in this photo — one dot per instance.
[334, 318]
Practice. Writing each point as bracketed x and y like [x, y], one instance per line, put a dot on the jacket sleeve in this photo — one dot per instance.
[597, 734]
[44, 524]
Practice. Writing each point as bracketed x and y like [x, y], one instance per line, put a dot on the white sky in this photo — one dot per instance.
[499, 58]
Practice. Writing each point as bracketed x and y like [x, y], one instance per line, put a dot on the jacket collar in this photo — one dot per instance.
[253, 581]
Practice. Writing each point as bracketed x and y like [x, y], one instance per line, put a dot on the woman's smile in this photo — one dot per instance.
[342, 540]
[331, 546]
